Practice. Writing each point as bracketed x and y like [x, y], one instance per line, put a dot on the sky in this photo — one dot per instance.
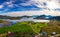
[31, 7]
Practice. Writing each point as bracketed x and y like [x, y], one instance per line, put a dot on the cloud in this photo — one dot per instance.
[53, 4]
[8, 3]
[48, 7]
[26, 4]
[30, 13]
[1, 6]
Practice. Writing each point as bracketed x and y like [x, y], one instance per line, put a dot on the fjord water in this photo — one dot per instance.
[11, 22]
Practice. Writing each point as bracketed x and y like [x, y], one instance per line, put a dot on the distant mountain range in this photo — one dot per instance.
[49, 17]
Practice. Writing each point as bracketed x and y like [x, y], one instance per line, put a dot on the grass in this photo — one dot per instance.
[24, 27]
[37, 27]
[29, 27]
[16, 28]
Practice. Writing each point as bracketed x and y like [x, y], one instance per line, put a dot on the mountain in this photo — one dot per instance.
[49, 17]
